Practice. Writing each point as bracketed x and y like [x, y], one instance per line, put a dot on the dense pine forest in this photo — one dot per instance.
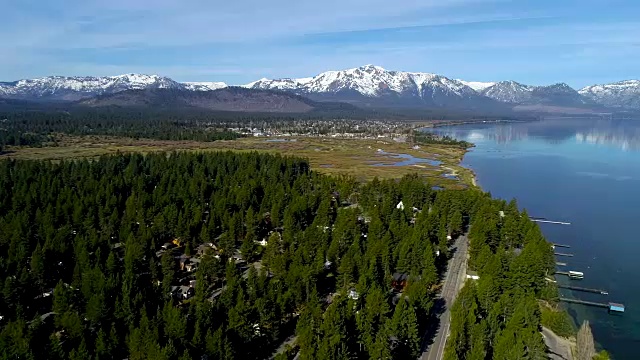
[240, 256]
[498, 316]
[35, 128]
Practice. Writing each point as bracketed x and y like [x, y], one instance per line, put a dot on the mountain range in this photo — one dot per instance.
[365, 86]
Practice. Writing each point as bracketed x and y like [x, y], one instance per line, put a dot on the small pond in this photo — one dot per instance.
[406, 159]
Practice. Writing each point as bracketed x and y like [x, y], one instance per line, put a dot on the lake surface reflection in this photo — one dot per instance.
[583, 171]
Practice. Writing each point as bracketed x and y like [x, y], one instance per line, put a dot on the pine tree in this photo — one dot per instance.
[585, 344]
[55, 346]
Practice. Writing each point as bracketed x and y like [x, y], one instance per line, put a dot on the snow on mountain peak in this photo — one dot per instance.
[368, 80]
[477, 85]
[508, 92]
[79, 87]
[354, 84]
[371, 67]
[204, 85]
[623, 94]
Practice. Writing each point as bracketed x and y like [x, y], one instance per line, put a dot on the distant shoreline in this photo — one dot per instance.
[468, 122]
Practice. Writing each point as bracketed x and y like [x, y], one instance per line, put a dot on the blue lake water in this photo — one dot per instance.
[582, 171]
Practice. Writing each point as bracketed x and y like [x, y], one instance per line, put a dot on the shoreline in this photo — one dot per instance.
[471, 176]
[564, 344]
[470, 122]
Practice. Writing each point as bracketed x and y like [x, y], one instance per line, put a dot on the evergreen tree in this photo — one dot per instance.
[585, 345]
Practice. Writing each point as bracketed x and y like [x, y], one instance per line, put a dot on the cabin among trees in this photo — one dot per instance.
[399, 281]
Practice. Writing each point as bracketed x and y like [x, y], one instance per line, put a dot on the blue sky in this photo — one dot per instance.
[535, 42]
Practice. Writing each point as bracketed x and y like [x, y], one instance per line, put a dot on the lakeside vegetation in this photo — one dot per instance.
[498, 317]
[557, 320]
[101, 256]
[424, 138]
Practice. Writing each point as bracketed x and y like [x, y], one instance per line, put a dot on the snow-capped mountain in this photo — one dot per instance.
[80, 87]
[623, 94]
[204, 85]
[279, 84]
[516, 93]
[369, 82]
[74, 88]
[508, 92]
[558, 94]
[368, 85]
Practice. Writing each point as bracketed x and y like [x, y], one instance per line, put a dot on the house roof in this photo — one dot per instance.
[400, 277]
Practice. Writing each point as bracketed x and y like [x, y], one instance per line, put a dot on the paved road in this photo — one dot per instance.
[453, 282]
[559, 348]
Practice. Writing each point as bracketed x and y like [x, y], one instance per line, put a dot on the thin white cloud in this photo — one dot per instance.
[241, 40]
[119, 23]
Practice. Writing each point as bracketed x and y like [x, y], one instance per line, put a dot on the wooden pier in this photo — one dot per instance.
[583, 302]
[578, 288]
[551, 222]
[561, 263]
[613, 307]
[563, 254]
[561, 245]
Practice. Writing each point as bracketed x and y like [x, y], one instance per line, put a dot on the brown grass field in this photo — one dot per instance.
[352, 157]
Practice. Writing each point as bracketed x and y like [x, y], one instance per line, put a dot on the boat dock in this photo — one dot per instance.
[563, 254]
[613, 307]
[550, 222]
[578, 288]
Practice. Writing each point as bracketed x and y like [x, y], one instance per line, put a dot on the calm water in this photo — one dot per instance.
[406, 160]
[582, 171]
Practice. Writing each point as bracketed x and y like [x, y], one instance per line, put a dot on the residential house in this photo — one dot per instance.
[203, 248]
[399, 281]
[192, 264]
[183, 292]
[183, 260]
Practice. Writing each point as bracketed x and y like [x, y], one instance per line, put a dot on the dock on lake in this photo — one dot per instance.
[563, 254]
[578, 288]
[545, 221]
[613, 307]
